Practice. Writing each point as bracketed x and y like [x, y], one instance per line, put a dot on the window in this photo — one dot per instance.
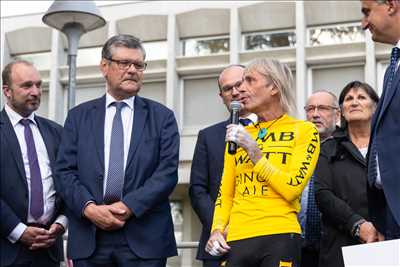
[177, 218]
[156, 50]
[268, 40]
[205, 46]
[336, 34]
[88, 56]
[40, 60]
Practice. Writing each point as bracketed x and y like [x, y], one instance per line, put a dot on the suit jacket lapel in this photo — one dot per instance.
[139, 120]
[389, 95]
[12, 141]
[221, 136]
[48, 140]
[98, 117]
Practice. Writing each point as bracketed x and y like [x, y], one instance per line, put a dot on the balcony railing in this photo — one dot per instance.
[185, 257]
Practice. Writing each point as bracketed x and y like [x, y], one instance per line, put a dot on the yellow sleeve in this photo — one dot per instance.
[223, 203]
[291, 182]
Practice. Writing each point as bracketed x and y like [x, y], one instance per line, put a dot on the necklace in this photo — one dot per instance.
[262, 132]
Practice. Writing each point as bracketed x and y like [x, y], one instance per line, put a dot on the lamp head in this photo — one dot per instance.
[83, 13]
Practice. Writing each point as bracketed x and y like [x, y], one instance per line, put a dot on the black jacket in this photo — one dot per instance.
[205, 179]
[340, 191]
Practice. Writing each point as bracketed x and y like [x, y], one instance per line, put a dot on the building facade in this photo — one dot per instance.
[188, 43]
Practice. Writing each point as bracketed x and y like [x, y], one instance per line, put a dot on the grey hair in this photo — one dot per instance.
[281, 76]
[122, 40]
[334, 97]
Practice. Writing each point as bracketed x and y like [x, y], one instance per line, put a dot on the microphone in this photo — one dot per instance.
[235, 108]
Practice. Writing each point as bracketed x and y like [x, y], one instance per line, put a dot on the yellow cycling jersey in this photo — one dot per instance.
[264, 198]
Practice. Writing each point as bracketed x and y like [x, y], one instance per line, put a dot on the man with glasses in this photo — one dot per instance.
[208, 161]
[117, 166]
[322, 110]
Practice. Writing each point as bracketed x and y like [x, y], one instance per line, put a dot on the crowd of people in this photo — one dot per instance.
[292, 194]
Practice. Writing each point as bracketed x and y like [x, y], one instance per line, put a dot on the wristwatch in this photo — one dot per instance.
[357, 228]
[357, 231]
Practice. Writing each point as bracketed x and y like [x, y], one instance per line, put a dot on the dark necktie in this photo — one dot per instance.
[313, 227]
[372, 164]
[392, 71]
[116, 173]
[36, 208]
[245, 121]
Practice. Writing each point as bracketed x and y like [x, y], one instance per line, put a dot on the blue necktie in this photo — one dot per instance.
[392, 72]
[116, 173]
[372, 164]
[36, 208]
[245, 121]
[313, 220]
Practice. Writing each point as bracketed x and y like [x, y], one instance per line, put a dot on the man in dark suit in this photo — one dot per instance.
[31, 224]
[117, 166]
[382, 19]
[208, 162]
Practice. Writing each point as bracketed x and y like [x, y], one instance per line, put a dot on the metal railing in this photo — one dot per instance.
[186, 245]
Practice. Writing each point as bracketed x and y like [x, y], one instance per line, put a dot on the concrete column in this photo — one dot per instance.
[112, 28]
[56, 94]
[301, 66]
[187, 254]
[172, 93]
[235, 36]
[370, 61]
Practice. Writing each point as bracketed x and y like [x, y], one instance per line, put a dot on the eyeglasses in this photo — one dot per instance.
[126, 64]
[320, 108]
[228, 89]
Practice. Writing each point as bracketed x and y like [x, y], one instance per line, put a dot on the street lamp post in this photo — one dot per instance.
[73, 18]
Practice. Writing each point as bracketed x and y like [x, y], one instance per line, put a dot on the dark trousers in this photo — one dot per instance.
[266, 251]
[112, 250]
[34, 258]
[212, 263]
[309, 257]
[392, 229]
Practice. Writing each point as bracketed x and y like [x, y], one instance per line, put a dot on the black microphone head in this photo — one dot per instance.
[235, 106]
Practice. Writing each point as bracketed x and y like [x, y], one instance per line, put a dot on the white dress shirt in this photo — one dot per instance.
[253, 117]
[378, 181]
[49, 193]
[127, 112]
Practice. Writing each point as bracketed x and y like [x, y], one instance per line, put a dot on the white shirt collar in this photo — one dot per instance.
[398, 44]
[253, 117]
[15, 117]
[110, 99]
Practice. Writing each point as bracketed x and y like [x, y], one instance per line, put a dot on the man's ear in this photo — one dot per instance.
[338, 115]
[6, 91]
[393, 6]
[104, 66]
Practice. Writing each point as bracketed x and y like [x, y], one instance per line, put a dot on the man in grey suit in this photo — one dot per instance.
[32, 223]
[382, 19]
